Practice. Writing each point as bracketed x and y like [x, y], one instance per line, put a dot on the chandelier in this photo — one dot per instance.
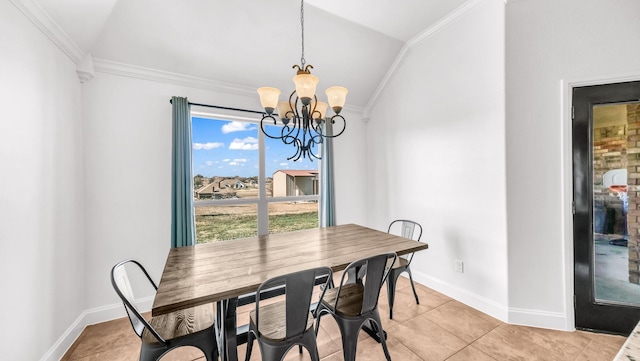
[303, 117]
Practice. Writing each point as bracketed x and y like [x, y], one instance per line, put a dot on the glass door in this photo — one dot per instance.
[606, 167]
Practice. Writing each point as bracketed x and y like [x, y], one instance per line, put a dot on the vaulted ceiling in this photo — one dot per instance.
[252, 43]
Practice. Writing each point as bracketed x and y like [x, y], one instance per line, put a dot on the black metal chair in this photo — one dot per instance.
[406, 229]
[355, 301]
[281, 325]
[190, 327]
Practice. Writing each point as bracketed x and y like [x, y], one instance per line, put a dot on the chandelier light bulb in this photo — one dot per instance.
[337, 96]
[284, 111]
[320, 110]
[269, 98]
[305, 87]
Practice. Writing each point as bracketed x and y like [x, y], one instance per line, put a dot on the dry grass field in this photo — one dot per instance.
[219, 223]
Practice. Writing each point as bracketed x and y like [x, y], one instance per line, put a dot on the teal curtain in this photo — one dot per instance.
[327, 215]
[182, 217]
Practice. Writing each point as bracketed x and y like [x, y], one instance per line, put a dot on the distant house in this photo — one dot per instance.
[205, 192]
[295, 183]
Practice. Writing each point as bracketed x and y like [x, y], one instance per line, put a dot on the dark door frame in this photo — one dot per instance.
[566, 318]
[588, 313]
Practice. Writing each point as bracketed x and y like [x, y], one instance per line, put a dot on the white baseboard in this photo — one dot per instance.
[514, 316]
[91, 317]
[537, 318]
[480, 303]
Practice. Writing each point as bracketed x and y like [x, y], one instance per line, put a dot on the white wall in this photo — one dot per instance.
[436, 154]
[548, 41]
[41, 220]
[127, 142]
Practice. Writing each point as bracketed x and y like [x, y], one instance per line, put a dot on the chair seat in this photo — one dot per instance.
[350, 302]
[180, 323]
[273, 321]
[400, 263]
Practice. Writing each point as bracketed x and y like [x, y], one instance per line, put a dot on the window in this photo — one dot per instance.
[243, 183]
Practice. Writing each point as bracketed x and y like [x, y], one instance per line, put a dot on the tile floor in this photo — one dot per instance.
[440, 328]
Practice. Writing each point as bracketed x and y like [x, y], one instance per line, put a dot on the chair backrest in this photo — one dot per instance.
[376, 269]
[122, 286]
[298, 287]
[406, 228]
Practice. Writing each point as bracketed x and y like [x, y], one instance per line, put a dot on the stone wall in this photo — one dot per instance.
[633, 182]
[609, 152]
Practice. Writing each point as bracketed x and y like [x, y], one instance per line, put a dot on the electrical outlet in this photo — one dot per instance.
[459, 266]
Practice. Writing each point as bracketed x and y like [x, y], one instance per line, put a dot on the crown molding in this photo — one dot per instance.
[444, 22]
[45, 23]
[406, 49]
[402, 55]
[161, 76]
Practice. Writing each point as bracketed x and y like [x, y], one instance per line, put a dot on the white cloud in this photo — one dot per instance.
[226, 160]
[237, 127]
[241, 160]
[284, 163]
[233, 163]
[248, 143]
[207, 146]
[209, 163]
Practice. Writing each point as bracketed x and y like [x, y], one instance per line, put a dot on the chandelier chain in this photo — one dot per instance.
[302, 61]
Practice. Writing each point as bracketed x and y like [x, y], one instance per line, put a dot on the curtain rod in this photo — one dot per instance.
[225, 108]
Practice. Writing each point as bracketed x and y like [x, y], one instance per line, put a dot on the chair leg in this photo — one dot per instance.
[250, 338]
[272, 353]
[314, 354]
[309, 340]
[349, 332]
[214, 353]
[391, 290]
[412, 286]
[377, 324]
[318, 316]
[210, 351]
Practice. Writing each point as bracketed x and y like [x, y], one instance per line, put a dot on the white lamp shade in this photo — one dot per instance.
[283, 109]
[269, 98]
[321, 107]
[305, 86]
[337, 96]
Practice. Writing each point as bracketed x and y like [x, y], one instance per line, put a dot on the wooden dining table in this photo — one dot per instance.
[221, 272]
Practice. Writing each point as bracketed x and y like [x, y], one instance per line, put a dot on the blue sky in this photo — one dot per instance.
[229, 148]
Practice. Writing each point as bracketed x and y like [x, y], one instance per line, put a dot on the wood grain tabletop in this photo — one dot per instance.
[211, 272]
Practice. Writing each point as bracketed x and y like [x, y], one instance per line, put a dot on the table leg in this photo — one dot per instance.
[226, 329]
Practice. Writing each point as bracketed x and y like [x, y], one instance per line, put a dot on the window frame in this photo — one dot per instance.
[262, 201]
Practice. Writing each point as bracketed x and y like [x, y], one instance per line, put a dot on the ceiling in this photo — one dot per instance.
[252, 43]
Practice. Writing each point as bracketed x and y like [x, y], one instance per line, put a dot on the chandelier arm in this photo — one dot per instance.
[314, 141]
[313, 111]
[285, 129]
[299, 151]
[266, 117]
[333, 121]
[291, 138]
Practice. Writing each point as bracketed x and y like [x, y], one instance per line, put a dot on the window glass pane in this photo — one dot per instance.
[287, 177]
[225, 159]
[292, 216]
[220, 223]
